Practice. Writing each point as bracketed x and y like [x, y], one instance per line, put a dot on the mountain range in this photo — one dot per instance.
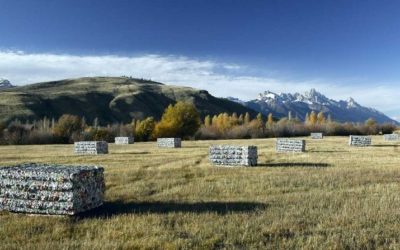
[300, 104]
[121, 99]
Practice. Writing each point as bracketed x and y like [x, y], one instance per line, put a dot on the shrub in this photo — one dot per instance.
[16, 134]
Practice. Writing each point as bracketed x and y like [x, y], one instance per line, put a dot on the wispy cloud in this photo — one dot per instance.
[219, 78]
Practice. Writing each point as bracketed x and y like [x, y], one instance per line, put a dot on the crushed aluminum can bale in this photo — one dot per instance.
[124, 140]
[169, 142]
[229, 155]
[51, 189]
[91, 147]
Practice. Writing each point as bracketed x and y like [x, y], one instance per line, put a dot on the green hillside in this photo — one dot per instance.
[110, 99]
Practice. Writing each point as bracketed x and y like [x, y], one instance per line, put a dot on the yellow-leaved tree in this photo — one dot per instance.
[313, 118]
[144, 129]
[179, 120]
[270, 121]
[321, 118]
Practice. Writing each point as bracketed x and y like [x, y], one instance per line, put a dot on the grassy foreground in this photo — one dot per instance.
[331, 197]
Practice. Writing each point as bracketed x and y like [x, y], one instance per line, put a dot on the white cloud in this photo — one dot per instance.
[220, 79]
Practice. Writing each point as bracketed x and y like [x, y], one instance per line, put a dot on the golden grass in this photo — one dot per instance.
[332, 197]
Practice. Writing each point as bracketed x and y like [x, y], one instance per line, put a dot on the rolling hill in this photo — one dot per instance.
[110, 99]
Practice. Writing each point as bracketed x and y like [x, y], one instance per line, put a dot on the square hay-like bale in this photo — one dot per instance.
[229, 155]
[286, 145]
[317, 136]
[124, 140]
[169, 142]
[91, 147]
[51, 189]
[391, 137]
[360, 140]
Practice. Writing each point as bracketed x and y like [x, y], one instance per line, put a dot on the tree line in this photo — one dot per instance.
[182, 120]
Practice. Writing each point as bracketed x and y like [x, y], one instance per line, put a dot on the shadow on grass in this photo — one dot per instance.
[295, 164]
[385, 146]
[115, 208]
[327, 151]
[131, 153]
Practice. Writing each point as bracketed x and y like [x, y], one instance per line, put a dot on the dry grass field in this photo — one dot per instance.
[331, 197]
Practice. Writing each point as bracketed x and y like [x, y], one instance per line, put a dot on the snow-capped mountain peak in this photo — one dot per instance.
[5, 84]
[301, 104]
[267, 95]
[351, 103]
[309, 97]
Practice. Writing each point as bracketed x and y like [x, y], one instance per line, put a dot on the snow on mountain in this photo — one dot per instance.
[301, 104]
[5, 84]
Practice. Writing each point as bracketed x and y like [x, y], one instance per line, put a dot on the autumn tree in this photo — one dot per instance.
[270, 120]
[214, 121]
[313, 118]
[370, 122]
[234, 119]
[321, 118]
[307, 118]
[207, 121]
[260, 121]
[329, 120]
[246, 118]
[144, 129]
[240, 119]
[179, 120]
[66, 126]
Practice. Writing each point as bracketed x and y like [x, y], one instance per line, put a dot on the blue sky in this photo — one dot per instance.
[341, 47]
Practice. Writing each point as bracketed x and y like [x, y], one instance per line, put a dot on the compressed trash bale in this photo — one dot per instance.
[51, 189]
[391, 137]
[91, 147]
[317, 136]
[290, 145]
[169, 142]
[124, 140]
[360, 141]
[229, 155]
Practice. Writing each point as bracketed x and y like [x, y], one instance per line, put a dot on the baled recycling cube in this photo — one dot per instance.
[91, 147]
[360, 140]
[290, 145]
[169, 142]
[124, 140]
[391, 137]
[317, 136]
[51, 189]
[229, 155]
